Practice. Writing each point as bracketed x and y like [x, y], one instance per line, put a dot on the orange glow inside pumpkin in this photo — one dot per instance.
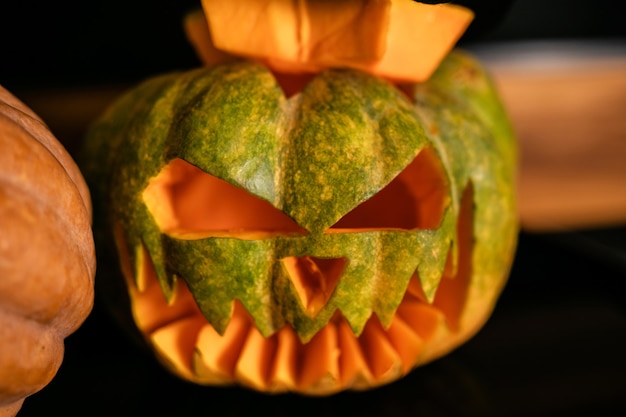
[186, 202]
[194, 350]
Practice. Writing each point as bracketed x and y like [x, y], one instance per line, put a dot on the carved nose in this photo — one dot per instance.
[314, 279]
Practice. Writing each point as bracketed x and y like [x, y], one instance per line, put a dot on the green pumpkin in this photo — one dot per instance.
[329, 240]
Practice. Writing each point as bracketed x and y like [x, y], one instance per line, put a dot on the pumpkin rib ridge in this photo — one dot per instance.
[38, 130]
[64, 318]
[69, 226]
[287, 123]
[77, 221]
[32, 354]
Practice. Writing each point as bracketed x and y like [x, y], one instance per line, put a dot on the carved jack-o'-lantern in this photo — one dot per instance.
[331, 239]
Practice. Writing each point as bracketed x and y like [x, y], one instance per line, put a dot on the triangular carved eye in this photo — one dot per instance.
[415, 199]
[188, 203]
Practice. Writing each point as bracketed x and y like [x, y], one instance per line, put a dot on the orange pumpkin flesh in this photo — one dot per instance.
[396, 39]
[47, 258]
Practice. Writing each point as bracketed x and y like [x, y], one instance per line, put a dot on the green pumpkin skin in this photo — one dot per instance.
[313, 156]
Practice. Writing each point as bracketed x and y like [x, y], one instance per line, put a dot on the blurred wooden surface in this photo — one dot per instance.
[567, 102]
[568, 106]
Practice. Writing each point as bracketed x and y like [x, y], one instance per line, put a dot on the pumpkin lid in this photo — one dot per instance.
[401, 40]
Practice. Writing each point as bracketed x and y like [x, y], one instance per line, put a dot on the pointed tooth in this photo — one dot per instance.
[176, 343]
[407, 343]
[285, 367]
[354, 370]
[254, 364]
[383, 360]
[320, 366]
[217, 355]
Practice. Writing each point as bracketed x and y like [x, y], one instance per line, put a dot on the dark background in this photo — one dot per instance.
[555, 345]
[77, 42]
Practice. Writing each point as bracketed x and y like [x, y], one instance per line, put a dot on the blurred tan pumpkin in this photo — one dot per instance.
[47, 258]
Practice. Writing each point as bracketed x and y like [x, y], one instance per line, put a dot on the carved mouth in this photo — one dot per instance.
[334, 359]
